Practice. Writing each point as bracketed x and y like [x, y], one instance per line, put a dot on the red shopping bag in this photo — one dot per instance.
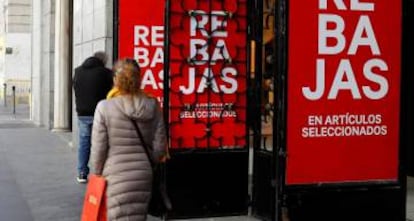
[94, 204]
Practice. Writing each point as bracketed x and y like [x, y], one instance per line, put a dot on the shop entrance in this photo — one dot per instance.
[250, 131]
[218, 98]
[220, 56]
[207, 58]
[264, 121]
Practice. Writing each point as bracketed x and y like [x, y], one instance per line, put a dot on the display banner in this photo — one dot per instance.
[343, 91]
[141, 36]
[208, 65]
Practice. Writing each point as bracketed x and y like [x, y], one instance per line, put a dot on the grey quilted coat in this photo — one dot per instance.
[117, 153]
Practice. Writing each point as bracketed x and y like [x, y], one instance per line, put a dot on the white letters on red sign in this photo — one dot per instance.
[201, 54]
[218, 25]
[227, 76]
[355, 5]
[358, 39]
[350, 84]
[143, 35]
[363, 36]
[148, 52]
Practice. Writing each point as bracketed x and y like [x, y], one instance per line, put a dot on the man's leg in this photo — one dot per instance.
[85, 129]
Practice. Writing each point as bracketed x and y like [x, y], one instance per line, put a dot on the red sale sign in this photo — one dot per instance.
[208, 76]
[141, 36]
[343, 91]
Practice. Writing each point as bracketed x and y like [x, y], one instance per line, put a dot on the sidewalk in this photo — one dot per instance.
[37, 174]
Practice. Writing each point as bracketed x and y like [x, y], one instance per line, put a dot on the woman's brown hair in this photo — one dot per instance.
[127, 77]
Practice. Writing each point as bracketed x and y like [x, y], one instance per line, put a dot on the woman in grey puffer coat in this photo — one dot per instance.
[117, 152]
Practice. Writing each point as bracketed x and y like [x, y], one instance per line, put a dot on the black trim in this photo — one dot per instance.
[257, 87]
[263, 200]
[166, 81]
[166, 93]
[260, 173]
[206, 151]
[342, 185]
[115, 39]
[248, 73]
[407, 80]
[404, 115]
[281, 46]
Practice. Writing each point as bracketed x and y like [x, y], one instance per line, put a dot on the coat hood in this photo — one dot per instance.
[141, 107]
[92, 62]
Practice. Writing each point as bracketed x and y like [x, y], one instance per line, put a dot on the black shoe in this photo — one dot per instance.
[82, 178]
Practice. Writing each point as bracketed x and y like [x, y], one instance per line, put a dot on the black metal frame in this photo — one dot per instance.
[281, 87]
[407, 138]
[115, 26]
[166, 67]
[256, 35]
[257, 32]
[266, 179]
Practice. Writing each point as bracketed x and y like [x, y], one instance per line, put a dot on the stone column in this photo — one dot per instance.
[36, 98]
[61, 118]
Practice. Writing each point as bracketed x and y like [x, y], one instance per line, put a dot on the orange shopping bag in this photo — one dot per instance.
[94, 204]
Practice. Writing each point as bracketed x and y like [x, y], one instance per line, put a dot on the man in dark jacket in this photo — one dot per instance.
[92, 81]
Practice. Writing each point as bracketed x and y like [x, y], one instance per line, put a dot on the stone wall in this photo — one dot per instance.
[92, 23]
[92, 28]
[18, 16]
[43, 62]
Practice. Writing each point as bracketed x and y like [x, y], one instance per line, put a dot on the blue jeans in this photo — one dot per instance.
[85, 130]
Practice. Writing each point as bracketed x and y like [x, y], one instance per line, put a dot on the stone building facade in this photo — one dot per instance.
[65, 33]
[15, 49]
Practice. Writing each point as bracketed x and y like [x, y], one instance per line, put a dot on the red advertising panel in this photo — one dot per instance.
[208, 73]
[343, 91]
[141, 36]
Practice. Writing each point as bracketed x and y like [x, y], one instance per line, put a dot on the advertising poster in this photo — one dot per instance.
[208, 61]
[343, 91]
[141, 36]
